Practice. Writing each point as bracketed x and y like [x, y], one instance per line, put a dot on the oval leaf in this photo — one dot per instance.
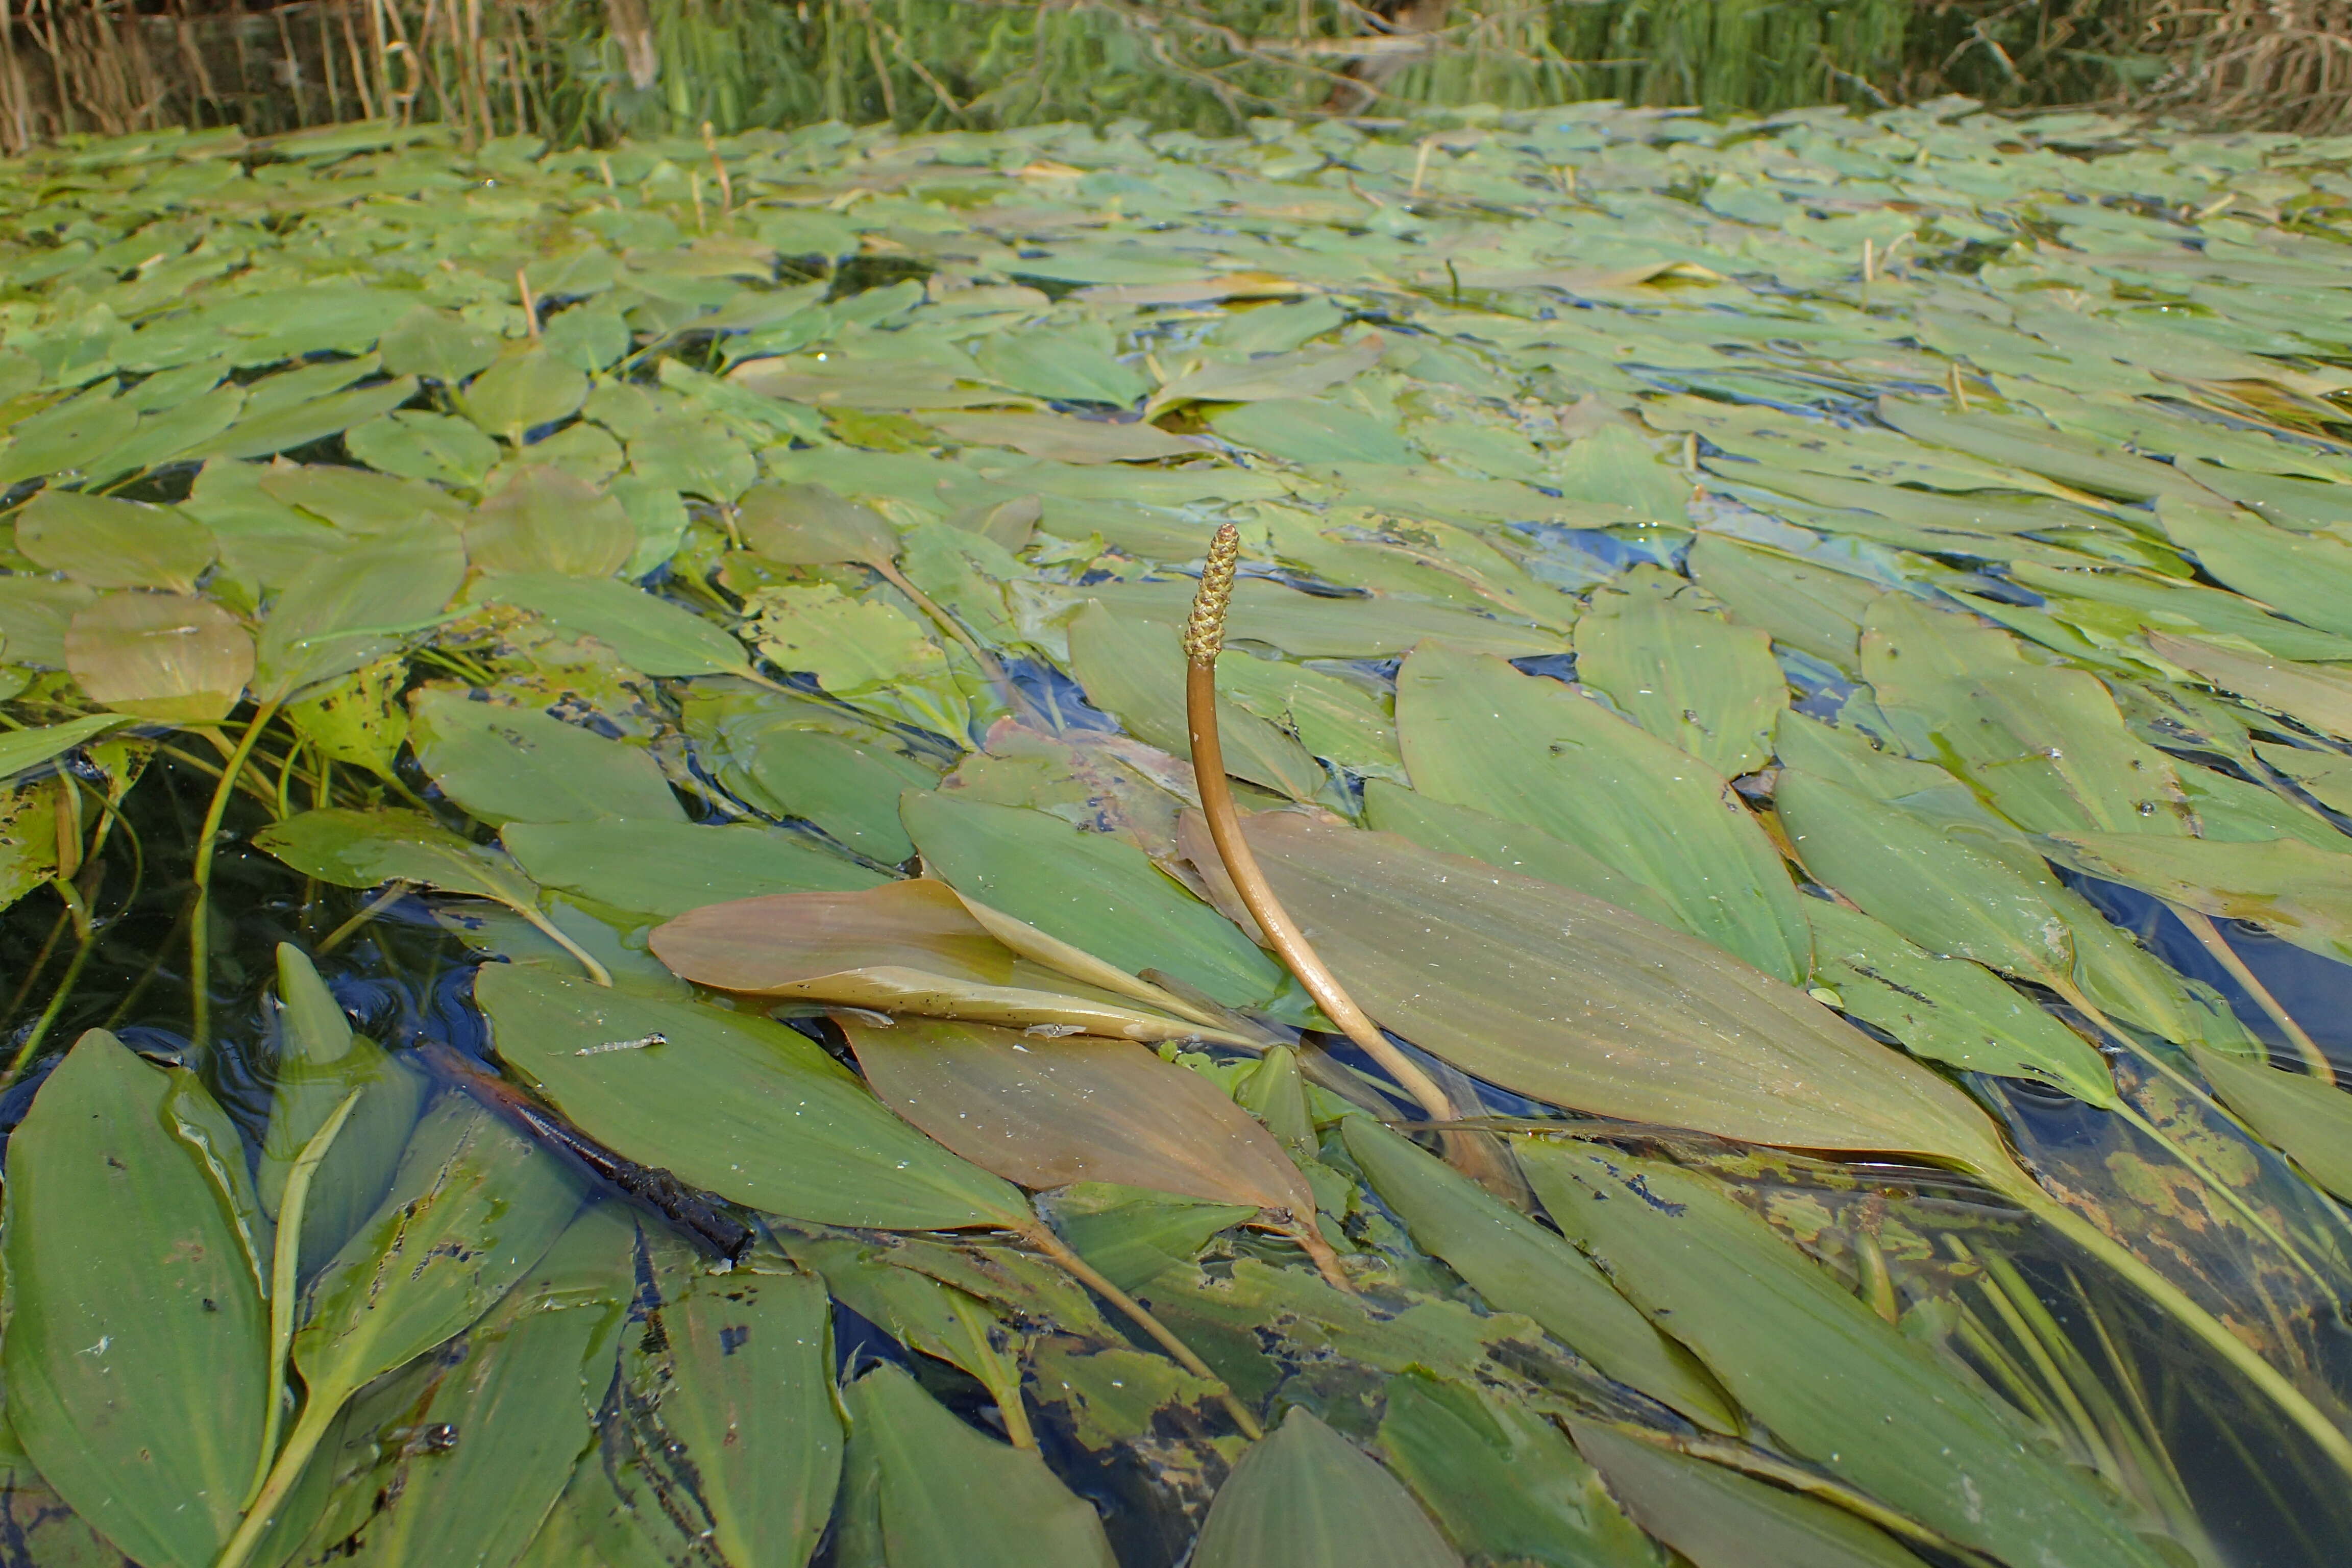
[161, 656]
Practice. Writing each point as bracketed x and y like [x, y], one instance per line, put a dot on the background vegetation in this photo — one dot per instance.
[591, 71]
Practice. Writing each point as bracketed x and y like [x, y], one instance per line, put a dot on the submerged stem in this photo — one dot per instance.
[990, 666]
[285, 1265]
[1044, 1240]
[2201, 926]
[200, 922]
[2175, 1304]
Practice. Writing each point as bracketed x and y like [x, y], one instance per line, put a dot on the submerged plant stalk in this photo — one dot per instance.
[200, 921]
[1204, 638]
[2201, 926]
[285, 1266]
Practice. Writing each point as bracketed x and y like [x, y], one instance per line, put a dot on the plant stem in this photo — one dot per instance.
[285, 1266]
[32, 1046]
[2201, 926]
[988, 665]
[1203, 639]
[1044, 1240]
[2175, 1304]
[200, 923]
[317, 1414]
[554, 933]
[368, 911]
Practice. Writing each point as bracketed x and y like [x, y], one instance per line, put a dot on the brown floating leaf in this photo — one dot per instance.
[1551, 994]
[1047, 1113]
[903, 947]
[160, 655]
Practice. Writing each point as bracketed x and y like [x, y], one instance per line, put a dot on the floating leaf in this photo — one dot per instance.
[525, 389]
[1947, 1009]
[664, 868]
[1836, 1383]
[436, 343]
[648, 634]
[357, 718]
[420, 445]
[1478, 733]
[2317, 695]
[508, 764]
[810, 525]
[1068, 361]
[1458, 830]
[1625, 1018]
[1518, 1266]
[2302, 893]
[911, 947]
[1133, 669]
[1613, 466]
[1047, 1113]
[24, 749]
[947, 1497]
[1682, 673]
[111, 543]
[161, 656]
[2307, 575]
[1306, 1496]
[1505, 1482]
[543, 520]
[741, 1390]
[1720, 1518]
[847, 787]
[348, 609]
[135, 1369]
[367, 849]
[733, 1104]
[1090, 889]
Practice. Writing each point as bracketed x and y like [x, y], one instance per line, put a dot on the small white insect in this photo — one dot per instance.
[639, 1043]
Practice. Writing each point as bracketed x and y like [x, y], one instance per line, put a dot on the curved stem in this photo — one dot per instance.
[1044, 1240]
[200, 922]
[285, 1266]
[397, 890]
[2201, 926]
[988, 665]
[2175, 1304]
[303, 1441]
[554, 933]
[32, 1046]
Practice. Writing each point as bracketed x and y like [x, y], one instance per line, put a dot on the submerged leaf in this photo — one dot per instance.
[24, 749]
[733, 1104]
[1834, 1383]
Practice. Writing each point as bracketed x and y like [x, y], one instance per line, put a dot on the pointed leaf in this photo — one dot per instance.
[733, 1104]
[648, 634]
[109, 543]
[1307, 1497]
[161, 656]
[365, 848]
[508, 764]
[666, 868]
[2308, 1117]
[1685, 674]
[809, 525]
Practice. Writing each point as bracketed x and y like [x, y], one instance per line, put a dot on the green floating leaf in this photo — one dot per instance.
[1625, 1019]
[1519, 1266]
[1093, 890]
[1046, 1113]
[135, 1368]
[1683, 673]
[350, 608]
[2318, 695]
[2302, 893]
[436, 343]
[1068, 361]
[171, 656]
[849, 788]
[1948, 1010]
[2308, 1117]
[281, 424]
[1134, 669]
[1134, 1234]
[543, 520]
[518, 764]
[24, 749]
[1614, 466]
[1478, 733]
[1515, 847]
[695, 456]
[1313, 431]
[357, 718]
[516, 1392]
[664, 868]
[733, 1104]
[810, 525]
[365, 849]
[72, 438]
[34, 612]
[741, 1390]
[1833, 1382]
[2307, 575]
[111, 543]
[419, 446]
[649, 634]
[1307, 1497]
[1720, 1518]
[527, 388]
[946, 1497]
[1503, 1482]
[2326, 776]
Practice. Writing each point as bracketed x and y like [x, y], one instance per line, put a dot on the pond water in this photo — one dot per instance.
[616, 954]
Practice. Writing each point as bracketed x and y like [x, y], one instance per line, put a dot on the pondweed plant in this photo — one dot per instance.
[607, 919]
